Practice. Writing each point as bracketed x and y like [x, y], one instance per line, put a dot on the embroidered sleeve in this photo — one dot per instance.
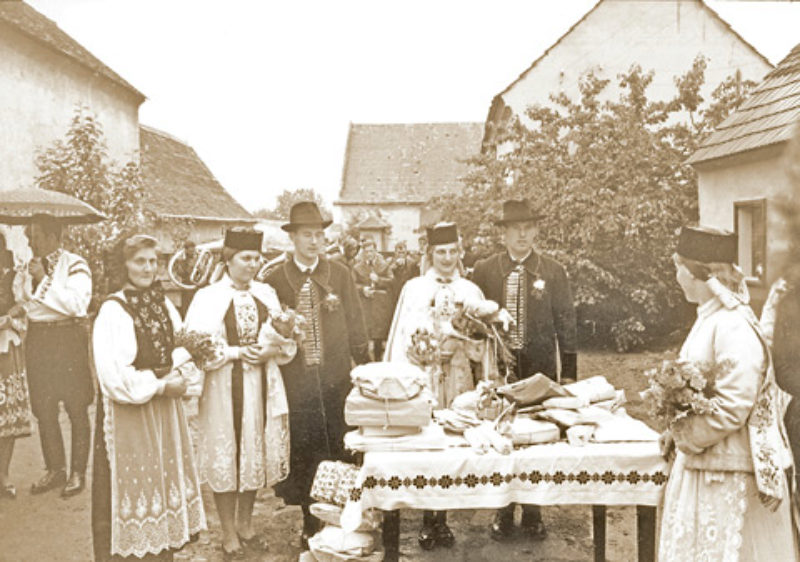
[114, 346]
[69, 295]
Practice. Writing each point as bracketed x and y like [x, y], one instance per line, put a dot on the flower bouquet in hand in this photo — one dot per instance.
[424, 348]
[204, 348]
[290, 325]
[679, 388]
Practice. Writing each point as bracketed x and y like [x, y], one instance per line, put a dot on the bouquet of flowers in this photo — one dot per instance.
[290, 325]
[679, 388]
[204, 348]
[424, 348]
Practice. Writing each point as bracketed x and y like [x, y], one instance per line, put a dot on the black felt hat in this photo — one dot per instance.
[305, 213]
[243, 239]
[442, 233]
[517, 211]
[707, 245]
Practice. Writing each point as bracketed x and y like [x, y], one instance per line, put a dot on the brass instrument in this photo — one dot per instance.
[207, 268]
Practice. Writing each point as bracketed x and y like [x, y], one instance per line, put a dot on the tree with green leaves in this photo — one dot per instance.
[610, 177]
[79, 165]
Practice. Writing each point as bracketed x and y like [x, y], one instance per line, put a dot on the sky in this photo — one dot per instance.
[265, 90]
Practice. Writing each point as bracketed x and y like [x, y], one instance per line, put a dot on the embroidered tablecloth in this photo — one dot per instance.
[557, 473]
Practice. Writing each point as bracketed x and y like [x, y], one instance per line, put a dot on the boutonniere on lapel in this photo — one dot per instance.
[331, 302]
[537, 288]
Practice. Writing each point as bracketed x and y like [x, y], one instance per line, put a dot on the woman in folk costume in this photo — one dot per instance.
[145, 490]
[727, 496]
[243, 414]
[429, 302]
[15, 408]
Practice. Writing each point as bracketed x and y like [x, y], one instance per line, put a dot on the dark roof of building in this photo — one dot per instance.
[178, 183]
[406, 163]
[28, 21]
[588, 13]
[766, 117]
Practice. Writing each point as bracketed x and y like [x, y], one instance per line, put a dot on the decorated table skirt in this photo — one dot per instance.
[557, 473]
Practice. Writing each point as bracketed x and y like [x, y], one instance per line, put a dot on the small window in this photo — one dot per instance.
[751, 229]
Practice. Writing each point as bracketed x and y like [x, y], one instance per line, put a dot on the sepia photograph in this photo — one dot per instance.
[372, 280]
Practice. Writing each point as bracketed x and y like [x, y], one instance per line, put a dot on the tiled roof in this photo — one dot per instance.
[766, 117]
[28, 21]
[179, 184]
[406, 163]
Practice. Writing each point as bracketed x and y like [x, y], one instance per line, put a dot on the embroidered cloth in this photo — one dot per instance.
[552, 474]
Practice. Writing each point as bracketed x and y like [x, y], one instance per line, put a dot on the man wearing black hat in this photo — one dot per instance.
[318, 378]
[536, 292]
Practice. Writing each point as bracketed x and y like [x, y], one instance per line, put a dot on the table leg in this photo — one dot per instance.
[599, 532]
[391, 534]
[646, 532]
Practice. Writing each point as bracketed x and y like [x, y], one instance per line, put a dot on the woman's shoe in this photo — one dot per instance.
[8, 491]
[427, 536]
[235, 554]
[257, 543]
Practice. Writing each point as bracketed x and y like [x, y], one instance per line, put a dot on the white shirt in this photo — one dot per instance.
[306, 268]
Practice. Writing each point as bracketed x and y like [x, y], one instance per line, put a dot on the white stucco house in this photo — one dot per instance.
[664, 36]
[742, 172]
[392, 170]
[44, 76]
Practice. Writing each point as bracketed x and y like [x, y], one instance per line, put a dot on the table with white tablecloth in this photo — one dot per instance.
[597, 474]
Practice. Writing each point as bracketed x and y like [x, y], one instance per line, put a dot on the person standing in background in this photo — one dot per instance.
[373, 279]
[58, 291]
[15, 412]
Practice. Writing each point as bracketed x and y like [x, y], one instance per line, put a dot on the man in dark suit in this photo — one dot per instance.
[535, 290]
[317, 380]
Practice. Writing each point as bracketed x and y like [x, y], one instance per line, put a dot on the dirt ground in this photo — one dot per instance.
[39, 528]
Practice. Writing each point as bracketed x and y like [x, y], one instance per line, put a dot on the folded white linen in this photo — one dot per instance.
[622, 427]
[593, 389]
[431, 438]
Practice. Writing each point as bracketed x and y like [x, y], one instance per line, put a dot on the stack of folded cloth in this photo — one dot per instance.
[331, 488]
[388, 400]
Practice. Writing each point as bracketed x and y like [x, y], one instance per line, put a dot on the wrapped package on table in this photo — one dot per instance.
[525, 431]
[362, 411]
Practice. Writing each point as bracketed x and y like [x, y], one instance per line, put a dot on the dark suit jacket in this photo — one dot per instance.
[316, 394]
[550, 317]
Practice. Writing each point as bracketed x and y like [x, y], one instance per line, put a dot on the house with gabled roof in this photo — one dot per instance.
[742, 172]
[180, 187]
[664, 36]
[392, 170]
[45, 74]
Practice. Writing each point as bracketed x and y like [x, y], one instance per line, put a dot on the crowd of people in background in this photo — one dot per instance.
[271, 407]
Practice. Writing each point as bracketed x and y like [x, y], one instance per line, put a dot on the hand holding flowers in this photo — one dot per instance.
[678, 389]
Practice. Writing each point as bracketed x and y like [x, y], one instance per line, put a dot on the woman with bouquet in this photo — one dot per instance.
[727, 495]
[243, 415]
[423, 322]
[145, 489]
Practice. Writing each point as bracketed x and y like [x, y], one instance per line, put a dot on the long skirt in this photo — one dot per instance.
[15, 408]
[145, 491]
[711, 515]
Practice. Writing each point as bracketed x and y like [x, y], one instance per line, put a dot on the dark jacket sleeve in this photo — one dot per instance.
[356, 327]
[479, 275]
[565, 323]
[786, 343]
